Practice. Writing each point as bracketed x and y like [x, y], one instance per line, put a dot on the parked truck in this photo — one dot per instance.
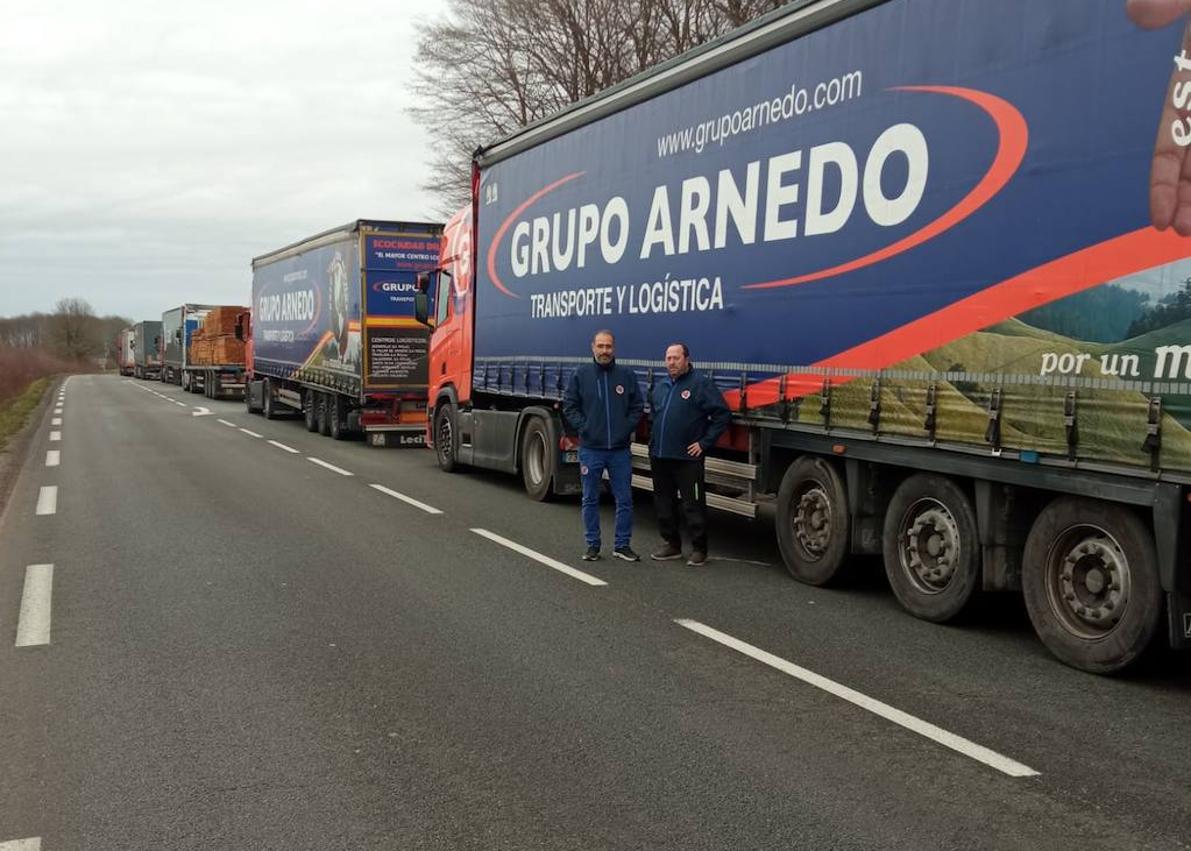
[334, 335]
[146, 349]
[215, 363]
[178, 325]
[125, 359]
[917, 246]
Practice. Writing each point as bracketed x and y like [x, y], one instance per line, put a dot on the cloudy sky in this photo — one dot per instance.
[149, 150]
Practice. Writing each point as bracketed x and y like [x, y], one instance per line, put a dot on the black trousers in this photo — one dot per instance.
[678, 488]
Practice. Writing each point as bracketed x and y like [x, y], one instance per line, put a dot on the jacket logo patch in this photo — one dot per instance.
[619, 389]
[686, 394]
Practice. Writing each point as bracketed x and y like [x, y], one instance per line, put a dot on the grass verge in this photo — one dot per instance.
[15, 411]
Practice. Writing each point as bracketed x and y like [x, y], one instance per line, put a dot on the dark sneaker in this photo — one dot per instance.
[668, 552]
[626, 553]
[592, 554]
[698, 558]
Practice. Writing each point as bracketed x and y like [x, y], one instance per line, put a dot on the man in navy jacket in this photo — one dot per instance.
[689, 415]
[603, 403]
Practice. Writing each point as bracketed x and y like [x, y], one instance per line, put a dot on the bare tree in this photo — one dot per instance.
[492, 66]
[74, 332]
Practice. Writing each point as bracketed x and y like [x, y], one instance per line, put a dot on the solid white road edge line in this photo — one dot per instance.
[33, 624]
[55, 435]
[429, 509]
[47, 500]
[331, 467]
[31, 844]
[226, 423]
[884, 710]
[541, 559]
[289, 449]
[250, 433]
[52, 457]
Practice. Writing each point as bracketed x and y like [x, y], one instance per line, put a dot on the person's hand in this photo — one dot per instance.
[695, 449]
[1170, 169]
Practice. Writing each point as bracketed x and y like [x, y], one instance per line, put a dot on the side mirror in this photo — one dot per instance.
[422, 298]
[178, 335]
[240, 331]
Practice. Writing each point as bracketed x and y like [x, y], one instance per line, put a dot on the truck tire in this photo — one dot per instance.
[310, 410]
[268, 406]
[185, 381]
[1090, 580]
[932, 547]
[538, 459]
[322, 402]
[813, 523]
[446, 438]
[216, 389]
[337, 418]
[248, 406]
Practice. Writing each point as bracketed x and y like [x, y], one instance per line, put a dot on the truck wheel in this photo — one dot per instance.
[538, 457]
[322, 402]
[185, 381]
[268, 406]
[248, 396]
[310, 410]
[215, 388]
[932, 547]
[337, 418]
[1090, 580]
[446, 444]
[813, 523]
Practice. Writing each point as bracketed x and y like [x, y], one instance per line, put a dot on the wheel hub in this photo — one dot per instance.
[1090, 581]
[812, 521]
[930, 545]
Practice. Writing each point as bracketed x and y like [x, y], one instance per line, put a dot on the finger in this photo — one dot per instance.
[1182, 213]
[1153, 14]
[1167, 166]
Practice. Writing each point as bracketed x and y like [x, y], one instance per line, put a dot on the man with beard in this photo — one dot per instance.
[603, 403]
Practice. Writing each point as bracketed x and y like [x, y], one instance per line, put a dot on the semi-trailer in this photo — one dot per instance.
[214, 363]
[125, 359]
[333, 332]
[178, 326]
[917, 245]
[146, 349]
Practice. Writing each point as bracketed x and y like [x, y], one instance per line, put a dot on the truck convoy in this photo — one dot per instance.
[146, 349]
[333, 333]
[916, 246]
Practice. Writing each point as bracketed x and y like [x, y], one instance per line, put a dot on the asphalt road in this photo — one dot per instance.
[238, 647]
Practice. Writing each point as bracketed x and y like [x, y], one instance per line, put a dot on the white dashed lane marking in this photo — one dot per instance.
[52, 457]
[330, 467]
[47, 500]
[429, 509]
[289, 449]
[541, 559]
[250, 433]
[884, 710]
[33, 625]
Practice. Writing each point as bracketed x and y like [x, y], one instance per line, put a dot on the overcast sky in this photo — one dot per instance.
[149, 150]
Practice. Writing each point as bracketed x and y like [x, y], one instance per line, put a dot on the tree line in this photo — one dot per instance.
[71, 333]
[492, 66]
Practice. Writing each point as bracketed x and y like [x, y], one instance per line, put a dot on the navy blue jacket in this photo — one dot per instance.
[603, 404]
[688, 409]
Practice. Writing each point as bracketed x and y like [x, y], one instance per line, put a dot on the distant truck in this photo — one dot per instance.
[146, 349]
[177, 326]
[333, 333]
[125, 360]
[949, 318]
[214, 362]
